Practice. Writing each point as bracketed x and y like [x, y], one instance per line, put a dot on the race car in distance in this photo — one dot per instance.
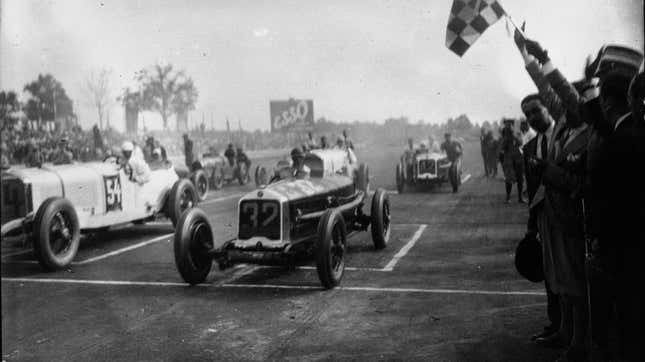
[289, 220]
[218, 170]
[427, 167]
[52, 205]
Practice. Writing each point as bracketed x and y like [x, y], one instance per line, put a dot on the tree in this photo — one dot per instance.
[9, 105]
[48, 100]
[99, 92]
[167, 91]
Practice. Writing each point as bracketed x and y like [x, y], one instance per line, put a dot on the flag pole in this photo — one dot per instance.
[515, 25]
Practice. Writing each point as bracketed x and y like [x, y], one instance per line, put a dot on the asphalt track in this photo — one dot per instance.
[444, 289]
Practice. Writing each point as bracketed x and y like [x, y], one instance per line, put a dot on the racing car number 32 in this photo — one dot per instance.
[112, 193]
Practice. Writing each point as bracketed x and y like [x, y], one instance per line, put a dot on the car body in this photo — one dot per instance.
[94, 196]
[287, 220]
[425, 167]
[219, 171]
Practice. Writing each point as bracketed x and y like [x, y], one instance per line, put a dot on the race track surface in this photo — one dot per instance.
[444, 289]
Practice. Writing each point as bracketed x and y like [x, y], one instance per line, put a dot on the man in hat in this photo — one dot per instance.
[229, 153]
[33, 157]
[453, 151]
[62, 156]
[512, 162]
[348, 142]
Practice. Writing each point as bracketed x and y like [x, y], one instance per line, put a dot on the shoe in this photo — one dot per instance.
[546, 332]
[554, 340]
[573, 354]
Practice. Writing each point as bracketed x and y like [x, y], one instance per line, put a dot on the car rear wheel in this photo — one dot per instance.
[217, 179]
[57, 233]
[183, 196]
[400, 182]
[193, 240]
[454, 174]
[243, 174]
[331, 248]
[201, 184]
[261, 176]
[380, 219]
[363, 178]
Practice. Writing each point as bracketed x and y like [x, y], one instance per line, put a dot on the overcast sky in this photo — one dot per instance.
[358, 60]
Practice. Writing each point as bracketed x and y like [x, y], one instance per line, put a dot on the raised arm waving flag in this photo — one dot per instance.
[468, 20]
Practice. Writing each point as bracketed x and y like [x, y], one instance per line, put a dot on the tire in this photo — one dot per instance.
[200, 181]
[331, 247]
[183, 196]
[217, 178]
[261, 176]
[363, 178]
[193, 240]
[243, 174]
[400, 182]
[57, 233]
[455, 178]
[380, 219]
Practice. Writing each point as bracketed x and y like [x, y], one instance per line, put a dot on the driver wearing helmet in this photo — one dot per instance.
[136, 167]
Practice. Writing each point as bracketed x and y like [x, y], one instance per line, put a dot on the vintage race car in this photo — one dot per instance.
[426, 167]
[336, 161]
[218, 171]
[52, 205]
[286, 221]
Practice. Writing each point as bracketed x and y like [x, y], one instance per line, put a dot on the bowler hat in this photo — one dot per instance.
[528, 259]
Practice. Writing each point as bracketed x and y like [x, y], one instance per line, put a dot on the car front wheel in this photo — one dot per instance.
[380, 219]
[193, 240]
[56, 233]
[201, 184]
[331, 248]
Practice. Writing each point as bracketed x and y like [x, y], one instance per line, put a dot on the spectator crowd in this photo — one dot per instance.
[584, 235]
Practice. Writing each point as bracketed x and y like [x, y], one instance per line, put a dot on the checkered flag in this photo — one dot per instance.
[468, 20]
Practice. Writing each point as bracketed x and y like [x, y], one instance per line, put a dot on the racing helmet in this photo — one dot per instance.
[127, 146]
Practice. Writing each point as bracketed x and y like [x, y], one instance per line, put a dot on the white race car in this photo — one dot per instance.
[53, 204]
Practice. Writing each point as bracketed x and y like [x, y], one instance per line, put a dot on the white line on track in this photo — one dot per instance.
[123, 250]
[350, 268]
[272, 286]
[18, 252]
[219, 199]
[405, 249]
[465, 178]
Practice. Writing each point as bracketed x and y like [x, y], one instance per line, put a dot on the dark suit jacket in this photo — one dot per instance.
[533, 177]
[564, 178]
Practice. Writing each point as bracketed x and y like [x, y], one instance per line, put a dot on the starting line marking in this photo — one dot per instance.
[123, 250]
[273, 286]
[405, 249]
[465, 178]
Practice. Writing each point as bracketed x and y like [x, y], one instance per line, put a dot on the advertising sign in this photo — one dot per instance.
[292, 115]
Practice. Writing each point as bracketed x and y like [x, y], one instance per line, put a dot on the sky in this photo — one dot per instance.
[358, 60]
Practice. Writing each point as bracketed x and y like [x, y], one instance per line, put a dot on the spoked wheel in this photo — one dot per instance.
[56, 233]
[183, 196]
[331, 249]
[363, 178]
[193, 240]
[380, 223]
[399, 178]
[217, 179]
[261, 176]
[201, 184]
[243, 174]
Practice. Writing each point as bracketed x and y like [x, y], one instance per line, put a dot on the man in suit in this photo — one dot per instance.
[539, 120]
[563, 177]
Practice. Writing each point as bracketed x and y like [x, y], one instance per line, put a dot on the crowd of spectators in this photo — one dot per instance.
[586, 205]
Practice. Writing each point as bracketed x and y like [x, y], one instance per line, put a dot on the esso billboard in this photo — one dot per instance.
[292, 115]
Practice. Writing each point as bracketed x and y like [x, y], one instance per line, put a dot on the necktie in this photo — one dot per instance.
[544, 147]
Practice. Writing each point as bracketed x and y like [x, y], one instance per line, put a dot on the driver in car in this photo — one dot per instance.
[136, 167]
[299, 170]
